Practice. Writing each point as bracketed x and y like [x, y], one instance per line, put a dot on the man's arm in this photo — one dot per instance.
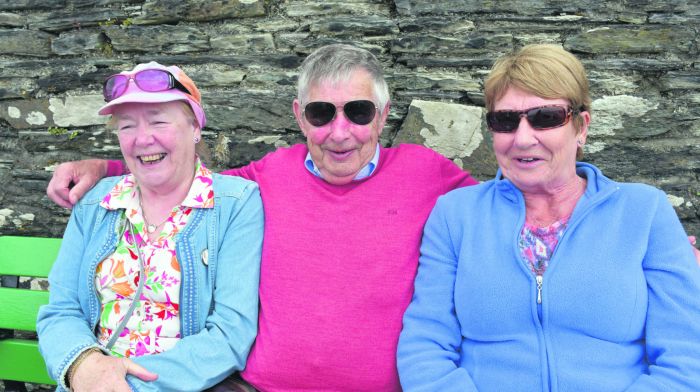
[71, 180]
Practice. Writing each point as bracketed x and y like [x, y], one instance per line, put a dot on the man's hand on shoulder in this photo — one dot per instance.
[71, 180]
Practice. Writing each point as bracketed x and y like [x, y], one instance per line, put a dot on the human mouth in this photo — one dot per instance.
[528, 161]
[151, 158]
[340, 155]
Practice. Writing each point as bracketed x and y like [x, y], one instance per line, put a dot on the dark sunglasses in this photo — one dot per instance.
[360, 112]
[540, 118]
[150, 80]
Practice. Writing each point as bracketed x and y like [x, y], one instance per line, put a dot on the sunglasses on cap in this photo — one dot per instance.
[149, 80]
[360, 112]
[540, 118]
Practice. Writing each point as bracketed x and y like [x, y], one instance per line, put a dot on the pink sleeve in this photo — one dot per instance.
[453, 177]
[247, 171]
[115, 168]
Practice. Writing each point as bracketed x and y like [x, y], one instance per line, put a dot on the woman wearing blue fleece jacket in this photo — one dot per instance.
[565, 280]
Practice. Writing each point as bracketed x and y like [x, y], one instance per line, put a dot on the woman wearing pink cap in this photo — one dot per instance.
[155, 285]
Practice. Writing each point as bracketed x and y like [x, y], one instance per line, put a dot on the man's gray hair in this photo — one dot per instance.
[335, 63]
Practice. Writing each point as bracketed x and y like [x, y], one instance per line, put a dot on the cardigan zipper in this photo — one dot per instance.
[539, 288]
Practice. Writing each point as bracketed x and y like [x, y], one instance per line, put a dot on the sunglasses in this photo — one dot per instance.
[540, 118]
[360, 112]
[149, 80]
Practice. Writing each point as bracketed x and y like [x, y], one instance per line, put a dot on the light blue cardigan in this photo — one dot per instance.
[620, 305]
[218, 293]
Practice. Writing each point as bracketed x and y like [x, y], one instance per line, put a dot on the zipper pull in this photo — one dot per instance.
[539, 288]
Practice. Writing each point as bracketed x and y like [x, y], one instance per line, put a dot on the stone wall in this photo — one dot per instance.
[641, 56]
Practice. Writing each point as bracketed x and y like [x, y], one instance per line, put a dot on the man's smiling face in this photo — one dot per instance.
[341, 148]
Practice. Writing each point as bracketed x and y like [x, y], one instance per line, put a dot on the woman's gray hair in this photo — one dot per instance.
[334, 63]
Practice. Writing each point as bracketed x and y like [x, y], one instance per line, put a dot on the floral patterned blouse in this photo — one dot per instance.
[154, 325]
[538, 243]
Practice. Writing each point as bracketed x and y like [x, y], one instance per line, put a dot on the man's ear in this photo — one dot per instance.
[296, 108]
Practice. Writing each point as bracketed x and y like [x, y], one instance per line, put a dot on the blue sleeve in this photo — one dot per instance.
[62, 327]
[202, 360]
[673, 314]
[428, 350]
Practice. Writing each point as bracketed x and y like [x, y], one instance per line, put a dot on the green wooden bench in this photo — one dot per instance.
[20, 360]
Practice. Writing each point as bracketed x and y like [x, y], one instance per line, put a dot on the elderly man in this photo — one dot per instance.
[343, 223]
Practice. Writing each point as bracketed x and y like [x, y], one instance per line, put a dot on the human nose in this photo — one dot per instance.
[144, 134]
[340, 126]
[524, 136]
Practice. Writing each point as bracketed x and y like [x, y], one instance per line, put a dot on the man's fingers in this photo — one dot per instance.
[58, 191]
[78, 190]
[138, 370]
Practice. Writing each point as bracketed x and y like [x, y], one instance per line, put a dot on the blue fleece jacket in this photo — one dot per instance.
[620, 300]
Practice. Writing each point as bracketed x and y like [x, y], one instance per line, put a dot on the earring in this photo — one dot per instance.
[579, 142]
[196, 140]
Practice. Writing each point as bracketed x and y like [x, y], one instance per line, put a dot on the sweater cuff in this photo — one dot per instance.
[115, 168]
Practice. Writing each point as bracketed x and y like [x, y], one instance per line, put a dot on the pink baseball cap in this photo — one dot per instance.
[134, 94]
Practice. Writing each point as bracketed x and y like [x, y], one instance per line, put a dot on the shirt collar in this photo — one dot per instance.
[365, 172]
[125, 193]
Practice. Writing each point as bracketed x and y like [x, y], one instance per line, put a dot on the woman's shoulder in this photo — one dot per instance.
[468, 194]
[232, 186]
[100, 190]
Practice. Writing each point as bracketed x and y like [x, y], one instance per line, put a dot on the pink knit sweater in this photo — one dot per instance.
[338, 265]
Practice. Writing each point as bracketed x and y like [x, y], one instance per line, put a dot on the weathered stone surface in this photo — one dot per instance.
[12, 20]
[167, 11]
[410, 60]
[446, 7]
[77, 42]
[216, 75]
[254, 111]
[16, 5]
[370, 25]
[243, 43]
[25, 43]
[632, 40]
[285, 61]
[67, 20]
[168, 39]
[276, 25]
[634, 64]
[681, 81]
[453, 130]
[436, 25]
[16, 87]
[450, 81]
[641, 58]
[610, 111]
[473, 44]
[309, 45]
[76, 111]
[315, 8]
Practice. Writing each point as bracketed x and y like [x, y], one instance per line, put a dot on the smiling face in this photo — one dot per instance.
[537, 161]
[341, 148]
[157, 141]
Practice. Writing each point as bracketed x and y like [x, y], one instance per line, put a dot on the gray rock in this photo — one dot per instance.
[68, 20]
[168, 11]
[77, 42]
[315, 8]
[370, 25]
[166, 38]
[8, 19]
[615, 39]
[25, 43]
[17, 5]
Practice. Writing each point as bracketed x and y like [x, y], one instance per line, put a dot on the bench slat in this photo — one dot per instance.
[20, 361]
[27, 256]
[19, 307]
